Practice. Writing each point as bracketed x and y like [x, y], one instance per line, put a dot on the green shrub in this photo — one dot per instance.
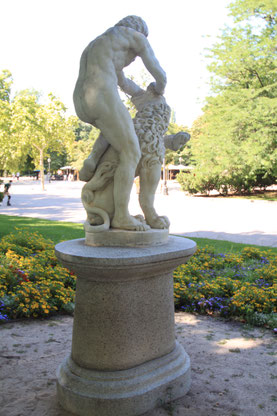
[203, 181]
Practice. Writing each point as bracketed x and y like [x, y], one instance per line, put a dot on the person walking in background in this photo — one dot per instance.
[6, 191]
[17, 176]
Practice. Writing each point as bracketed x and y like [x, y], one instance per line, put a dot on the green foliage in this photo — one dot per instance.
[40, 128]
[5, 85]
[82, 130]
[31, 129]
[58, 159]
[234, 143]
[5, 115]
[86, 136]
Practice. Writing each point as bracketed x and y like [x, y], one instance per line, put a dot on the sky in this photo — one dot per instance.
[41, 43]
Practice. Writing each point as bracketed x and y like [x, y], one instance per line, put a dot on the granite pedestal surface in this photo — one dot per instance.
[124, 358]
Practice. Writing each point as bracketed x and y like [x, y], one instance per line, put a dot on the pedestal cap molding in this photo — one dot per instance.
[125, 263]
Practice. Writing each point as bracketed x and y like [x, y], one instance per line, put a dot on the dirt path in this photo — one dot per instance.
[234, 368]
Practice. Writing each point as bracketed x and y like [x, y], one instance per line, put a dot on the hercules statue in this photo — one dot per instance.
[97, 102]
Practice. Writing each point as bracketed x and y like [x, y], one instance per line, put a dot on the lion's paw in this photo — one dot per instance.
[158, 222]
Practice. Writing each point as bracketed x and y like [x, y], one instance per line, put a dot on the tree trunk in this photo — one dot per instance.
[41, 167]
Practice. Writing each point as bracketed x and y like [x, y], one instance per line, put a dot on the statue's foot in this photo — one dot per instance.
[158, 222]
[130, 223]
[87, 171]
[140, 218]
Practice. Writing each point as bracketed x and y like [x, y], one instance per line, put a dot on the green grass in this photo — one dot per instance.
[55, 230]
[266, 195]
[60, 231]
[222, 246]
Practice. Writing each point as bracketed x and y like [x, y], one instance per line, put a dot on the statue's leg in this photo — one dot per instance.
[117, 127]
[91, 162]
[149, 180]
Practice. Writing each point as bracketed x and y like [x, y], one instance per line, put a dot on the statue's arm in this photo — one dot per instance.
[127, 85]
[151, 63]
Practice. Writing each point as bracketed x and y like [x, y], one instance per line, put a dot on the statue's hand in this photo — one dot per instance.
[158, 88]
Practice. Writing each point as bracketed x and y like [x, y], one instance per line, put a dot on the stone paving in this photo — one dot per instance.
[238, 220]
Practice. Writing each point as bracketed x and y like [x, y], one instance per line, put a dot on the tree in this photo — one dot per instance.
[30, 130]
[234, 143]
[37, 129]
[85, 136]
[5, 115]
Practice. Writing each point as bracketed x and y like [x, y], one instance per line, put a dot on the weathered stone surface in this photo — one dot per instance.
[123, 321]
[129, 392]
[77, 255]
[98, 102]
[124, 238]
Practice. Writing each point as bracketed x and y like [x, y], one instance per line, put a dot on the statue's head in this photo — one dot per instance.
[134, 22]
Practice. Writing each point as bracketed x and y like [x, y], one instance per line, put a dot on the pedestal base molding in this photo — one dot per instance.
[129, 392]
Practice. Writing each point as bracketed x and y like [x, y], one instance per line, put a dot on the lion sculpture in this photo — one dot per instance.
[151, 123]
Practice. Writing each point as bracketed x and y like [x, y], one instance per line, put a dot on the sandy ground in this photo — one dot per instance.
[234, 368]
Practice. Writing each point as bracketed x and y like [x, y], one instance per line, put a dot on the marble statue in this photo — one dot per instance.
[97, 102]
[123, 149]
[124, 357]
[151, 123]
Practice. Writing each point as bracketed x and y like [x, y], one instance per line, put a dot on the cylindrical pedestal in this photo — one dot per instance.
[124, 355]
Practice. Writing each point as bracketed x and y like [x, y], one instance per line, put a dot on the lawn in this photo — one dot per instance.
[54, 230]
[60, 231]
[230, 280]
[263, 195]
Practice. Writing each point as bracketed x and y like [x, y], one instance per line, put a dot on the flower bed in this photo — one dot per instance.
[229, 285]
[33, 284]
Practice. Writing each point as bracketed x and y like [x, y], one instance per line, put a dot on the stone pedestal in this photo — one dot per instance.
[124, 358]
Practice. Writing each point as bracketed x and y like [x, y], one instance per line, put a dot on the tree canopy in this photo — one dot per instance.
[30, 129]
[234, 143]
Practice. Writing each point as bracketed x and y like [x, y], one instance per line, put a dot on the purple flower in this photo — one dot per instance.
[3, 317]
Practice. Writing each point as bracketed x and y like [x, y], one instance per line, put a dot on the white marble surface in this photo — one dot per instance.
[97, 102]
